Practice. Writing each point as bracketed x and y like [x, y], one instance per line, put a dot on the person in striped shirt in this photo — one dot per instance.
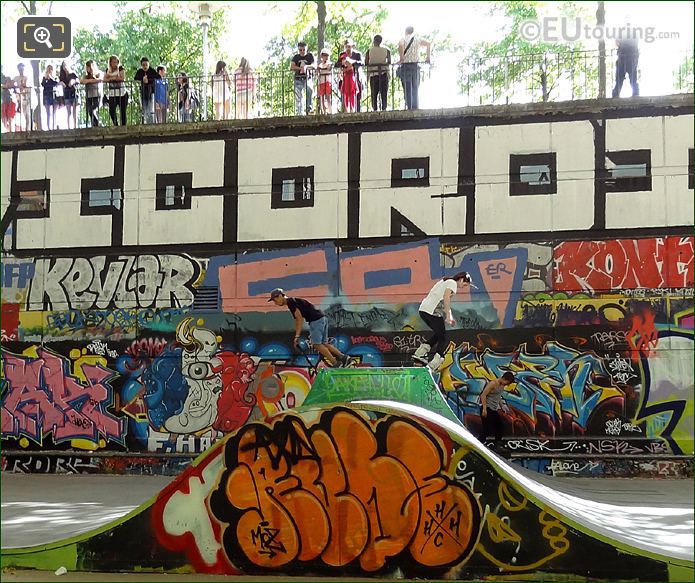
[491, 402]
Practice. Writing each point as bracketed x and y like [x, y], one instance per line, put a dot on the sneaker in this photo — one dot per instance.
[435, 363]
[422, 351]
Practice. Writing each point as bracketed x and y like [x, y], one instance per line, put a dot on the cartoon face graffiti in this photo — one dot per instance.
[199, 367]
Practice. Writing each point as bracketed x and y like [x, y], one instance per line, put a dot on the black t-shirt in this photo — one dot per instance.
[147, 90]
[69, 92]
[310, 312]
[300, 60]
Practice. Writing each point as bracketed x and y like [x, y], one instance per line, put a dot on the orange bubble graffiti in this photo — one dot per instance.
[342, 490]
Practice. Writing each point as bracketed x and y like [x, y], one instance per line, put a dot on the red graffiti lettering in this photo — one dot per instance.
[642, 336]
[624, 264]
[146, 347]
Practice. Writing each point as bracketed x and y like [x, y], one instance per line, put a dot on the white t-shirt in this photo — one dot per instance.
[436, 295]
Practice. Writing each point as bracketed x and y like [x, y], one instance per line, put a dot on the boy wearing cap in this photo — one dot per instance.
[440, 293]
[301, 310]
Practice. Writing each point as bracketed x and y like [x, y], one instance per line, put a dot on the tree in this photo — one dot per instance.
[514, 67]
[165, 32]
[321, 26]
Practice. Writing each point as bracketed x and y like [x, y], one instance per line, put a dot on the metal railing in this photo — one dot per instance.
[480, 81]
[176, 100]
[563, 76]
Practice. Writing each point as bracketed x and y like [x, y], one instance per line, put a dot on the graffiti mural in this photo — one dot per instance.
[624, 264]
[340, 492]
[195, 351]
[45, 394]
[561, 391]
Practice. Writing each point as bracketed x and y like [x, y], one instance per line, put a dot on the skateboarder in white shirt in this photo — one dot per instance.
[440, 293]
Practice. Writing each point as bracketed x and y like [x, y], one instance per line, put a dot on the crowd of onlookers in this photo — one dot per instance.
[107, 88]
[339, 85]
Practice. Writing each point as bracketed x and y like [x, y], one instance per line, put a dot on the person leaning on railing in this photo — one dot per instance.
[9, 107]
[69, 80]
[116, 90]
[22, 88]
[378, 62]
[49, 84]
[147, 77]
[187, 98]
[93, 92]
[221, 91]
[245, 88]
[161, 95]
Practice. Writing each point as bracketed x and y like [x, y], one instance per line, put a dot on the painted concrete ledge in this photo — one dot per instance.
[682, 101]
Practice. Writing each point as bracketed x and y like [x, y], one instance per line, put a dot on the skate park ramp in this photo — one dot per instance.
[364, 482]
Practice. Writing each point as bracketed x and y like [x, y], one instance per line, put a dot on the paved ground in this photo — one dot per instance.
[43, 508]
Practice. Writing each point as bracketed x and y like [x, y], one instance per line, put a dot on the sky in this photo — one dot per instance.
[251, 24]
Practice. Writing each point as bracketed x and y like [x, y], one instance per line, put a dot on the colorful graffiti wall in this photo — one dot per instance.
[169, 353]
[135, 273]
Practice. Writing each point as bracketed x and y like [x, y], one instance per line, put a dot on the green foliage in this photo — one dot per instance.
[683, 76]
[344, 19]
[167, 33]
[514, 68]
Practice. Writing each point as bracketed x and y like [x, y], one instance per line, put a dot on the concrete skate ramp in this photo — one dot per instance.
[375, 487]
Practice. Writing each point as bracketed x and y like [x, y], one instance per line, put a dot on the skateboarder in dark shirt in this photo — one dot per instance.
[302, 310]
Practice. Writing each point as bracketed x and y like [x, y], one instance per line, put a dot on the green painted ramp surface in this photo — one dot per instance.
[412, 385]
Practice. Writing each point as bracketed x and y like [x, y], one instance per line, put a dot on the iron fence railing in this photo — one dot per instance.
[177, 99]
[562, 76]
[215, 97]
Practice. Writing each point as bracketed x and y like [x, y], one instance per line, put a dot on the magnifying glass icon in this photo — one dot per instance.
[43, 36]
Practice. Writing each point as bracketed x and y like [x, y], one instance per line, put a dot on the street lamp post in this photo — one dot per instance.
[204, 17]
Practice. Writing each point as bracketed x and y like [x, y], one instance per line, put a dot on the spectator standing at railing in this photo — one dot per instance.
[628, 56]
[325, 81]
[187, 98]
[69, 80]
[161, 95]
[49, 84]
[22, 87]
[93, 92]
[9, 107]
[245, 87]
[378, 62]
[116, 90]
[221, 91]
[147, 77]
[349, 62]
[409, 48]
[303, 66]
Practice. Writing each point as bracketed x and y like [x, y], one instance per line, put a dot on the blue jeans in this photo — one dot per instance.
[302, 85]
[318, 331]
[410, 78]
[147, 109]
